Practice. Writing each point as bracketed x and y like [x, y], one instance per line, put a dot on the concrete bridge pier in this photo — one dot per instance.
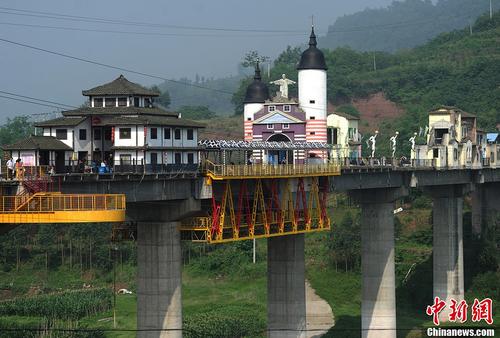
[159, 282]
[448, 255]
[286, 295]
[378, 302]
[159, 266]
[491, 207]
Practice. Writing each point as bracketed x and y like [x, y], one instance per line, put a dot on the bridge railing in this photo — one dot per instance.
[270, 170]
[50, 202]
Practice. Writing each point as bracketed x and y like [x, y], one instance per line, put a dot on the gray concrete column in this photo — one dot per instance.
[159, 263]
[378, 302]
[477, 210]
[286, 296]
[448, 254]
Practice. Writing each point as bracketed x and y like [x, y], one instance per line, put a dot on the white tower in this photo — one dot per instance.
[312, 91]
[256, 95]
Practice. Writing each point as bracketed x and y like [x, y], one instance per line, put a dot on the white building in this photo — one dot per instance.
[122, 127]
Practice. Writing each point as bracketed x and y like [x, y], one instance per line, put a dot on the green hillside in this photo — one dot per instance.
[403, 24]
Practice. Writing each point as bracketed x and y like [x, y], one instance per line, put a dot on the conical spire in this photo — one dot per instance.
[312, 58]
[312, 38]
[257, 91]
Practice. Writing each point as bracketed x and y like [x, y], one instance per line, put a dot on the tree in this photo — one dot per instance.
[15, 129]
[252, 57]
[164, 98]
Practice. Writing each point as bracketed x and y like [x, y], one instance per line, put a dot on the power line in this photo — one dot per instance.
[33, 98]
[146, 33]
[26, 101]
[111, 66]
[67, 17]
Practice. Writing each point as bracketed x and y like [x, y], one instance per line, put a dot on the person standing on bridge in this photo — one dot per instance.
[10, 168]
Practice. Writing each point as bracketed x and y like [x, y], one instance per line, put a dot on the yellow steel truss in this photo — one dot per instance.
[53, 207]
[224, 226]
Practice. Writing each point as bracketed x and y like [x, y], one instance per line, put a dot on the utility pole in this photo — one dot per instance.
[254, 251]
[491, 10]
[374, 62]
[470, 27]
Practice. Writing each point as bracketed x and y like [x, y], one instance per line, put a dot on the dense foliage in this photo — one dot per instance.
[196, 112]
[70, 305]
[403, 24]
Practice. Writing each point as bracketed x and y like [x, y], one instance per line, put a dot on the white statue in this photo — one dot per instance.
[468, 151]
[393, 141]
[373, 142]
[283, 83]
[412, 141]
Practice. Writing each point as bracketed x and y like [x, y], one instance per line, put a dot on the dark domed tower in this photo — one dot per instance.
[256, 95]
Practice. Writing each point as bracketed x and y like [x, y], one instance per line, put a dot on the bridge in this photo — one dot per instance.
[218, 203]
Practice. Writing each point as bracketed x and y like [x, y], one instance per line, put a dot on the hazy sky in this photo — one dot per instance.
[183, 53]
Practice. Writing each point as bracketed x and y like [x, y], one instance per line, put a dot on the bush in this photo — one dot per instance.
[240, 320]
[70, 305]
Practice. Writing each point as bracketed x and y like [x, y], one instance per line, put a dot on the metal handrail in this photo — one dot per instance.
[50, 202]
[234, 170]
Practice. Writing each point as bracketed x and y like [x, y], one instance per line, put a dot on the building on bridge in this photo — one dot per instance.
[343, 135]
[455, 141]
[121, 127]
[285, 119]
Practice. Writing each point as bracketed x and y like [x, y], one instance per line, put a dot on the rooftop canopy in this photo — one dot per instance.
[38, 143]
[120, 86]
[244, 145]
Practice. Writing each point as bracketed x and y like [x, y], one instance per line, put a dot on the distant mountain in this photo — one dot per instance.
[404, 24]
[193, 93]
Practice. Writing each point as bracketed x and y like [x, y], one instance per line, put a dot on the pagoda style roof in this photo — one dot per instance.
[62, 122]
[150, 120]
[35, 142]
[86, 111]
[120, 86]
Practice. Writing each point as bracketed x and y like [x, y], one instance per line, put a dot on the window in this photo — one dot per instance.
[270, 126]
[107, 134]
[272, 108]
[313, 117]
[190, 158]
[122, 102]
[190, 134]
[136, 102]
[435, 153]
[287, 108]
[312, 133]
[125, 159]
[83, 134]
[249, 119]
[110, 102]
[97, 134]
[154, 158]
[166, 133]
[147, 102]
[286, 126]
[154, 133]
[125, 133]
[178, 158]
[98, 102]
[62, 134]
[312, 101]
[177, 134]
[455, 154]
